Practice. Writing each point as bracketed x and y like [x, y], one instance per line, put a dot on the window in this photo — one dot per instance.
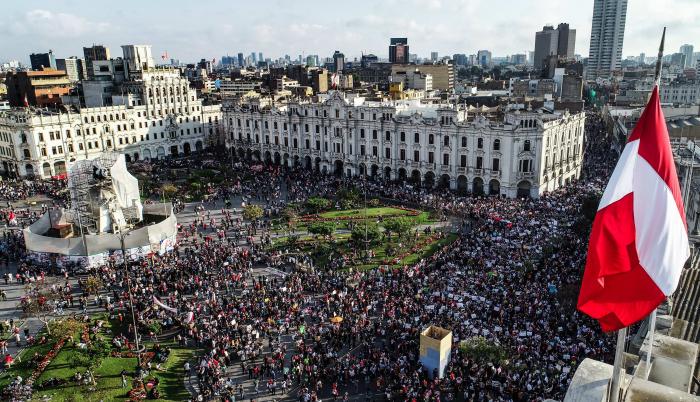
[362, 150]
[416, 138]
[525, 165]
[374, 134]
[318, 145]
[402, 154]
[446, 141]
[362, 133]
[480, 143]
[306, 128]
[526, 145]
[307, 144]
[479, 162]
[431, 139]
[431, 157]
[463, 161]
[294, 144]
[318, 129]
[387, 136]
[387, 153]
[496, 165]
[337, 113]
[416, 156]
[446, 159]
[374, 151]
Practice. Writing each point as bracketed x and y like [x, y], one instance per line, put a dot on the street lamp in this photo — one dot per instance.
[131, 297]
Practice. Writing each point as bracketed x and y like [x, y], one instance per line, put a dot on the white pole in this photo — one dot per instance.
[614, 395]
[652, 331]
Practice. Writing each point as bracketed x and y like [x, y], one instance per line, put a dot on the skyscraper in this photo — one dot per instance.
[433, 56]
[607, 36]
[241, 61]
[92, 53]
[398, 51]
[687, 50]
[338, 61]
[560, 42]
[260, 57]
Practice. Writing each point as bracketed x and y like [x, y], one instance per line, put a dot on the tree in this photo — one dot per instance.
[317, 204]
[370, 229]
[168, 190]
[322, 228]
[348, 197]
[252, 212]
[483, 350]
[65, 328]
[40, 302]
[92, 285]
[399, 225]
[290, 216]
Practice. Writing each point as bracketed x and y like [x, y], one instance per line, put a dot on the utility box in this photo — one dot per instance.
[435, 348]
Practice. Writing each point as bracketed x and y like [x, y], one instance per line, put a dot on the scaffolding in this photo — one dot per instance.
[92, 192]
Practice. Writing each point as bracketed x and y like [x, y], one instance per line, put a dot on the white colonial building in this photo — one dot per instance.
[510, 153]
[153, 114]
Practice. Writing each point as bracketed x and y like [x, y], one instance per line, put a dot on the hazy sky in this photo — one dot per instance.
[190, 30]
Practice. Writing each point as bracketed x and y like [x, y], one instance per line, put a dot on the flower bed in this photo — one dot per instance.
[415, 249]
[318, 218]
[45, 361]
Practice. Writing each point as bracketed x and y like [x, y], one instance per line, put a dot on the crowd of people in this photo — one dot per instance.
[321, 333]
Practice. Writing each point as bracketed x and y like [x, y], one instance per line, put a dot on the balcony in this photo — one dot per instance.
[495, 173]
[478, 172]
[445, 168]
[462, 169]
[525, 175]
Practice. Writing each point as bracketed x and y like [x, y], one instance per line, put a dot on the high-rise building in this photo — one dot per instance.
[241, 61]
[253, 58]
[433, 56]
[73, 66]
[37, 88]
[558, 42]
[338, 62]
[260, 57]
[398, 51]
[93, 53]
[41, 60]
[642, 58]
[483, 58]
[687, 50]
[518, 59]
[607, 36]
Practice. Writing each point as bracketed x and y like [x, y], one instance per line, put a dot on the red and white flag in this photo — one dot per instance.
[163, 305]
[639, 239]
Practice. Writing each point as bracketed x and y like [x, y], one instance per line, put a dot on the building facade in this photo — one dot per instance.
[93, 53]
[518, 153]
[398, 51]
[607, 36]
[37, 88]
[73, 66]
[39, 61]
[157, 116]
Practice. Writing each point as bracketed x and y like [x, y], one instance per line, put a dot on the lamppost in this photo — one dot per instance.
[131, 297]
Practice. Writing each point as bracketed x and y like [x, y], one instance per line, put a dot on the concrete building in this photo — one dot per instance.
[93, 53]
[443, 75]
[73, 66]
[687, 50]
[39, 61]
[571, 88]
[607, 36]
[137, 57]
[37, 88]
[399, 51]
[157, 115]
[518, 59]
[237, 87]
[413, 79]
[513, 153]
[560, 42]
[434, 57]
[338, 62]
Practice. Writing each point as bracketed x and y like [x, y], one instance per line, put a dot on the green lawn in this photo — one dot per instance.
[360, 212]
[22, 365]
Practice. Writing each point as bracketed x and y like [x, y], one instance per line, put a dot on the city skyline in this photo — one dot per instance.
[276, 28]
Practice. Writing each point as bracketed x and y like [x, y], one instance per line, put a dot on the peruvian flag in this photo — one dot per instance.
[639, 239]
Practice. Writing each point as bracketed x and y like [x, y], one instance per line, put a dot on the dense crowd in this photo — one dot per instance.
[511, 279]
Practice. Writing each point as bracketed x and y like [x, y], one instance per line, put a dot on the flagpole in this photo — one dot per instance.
[652, 316]
[614, 395]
